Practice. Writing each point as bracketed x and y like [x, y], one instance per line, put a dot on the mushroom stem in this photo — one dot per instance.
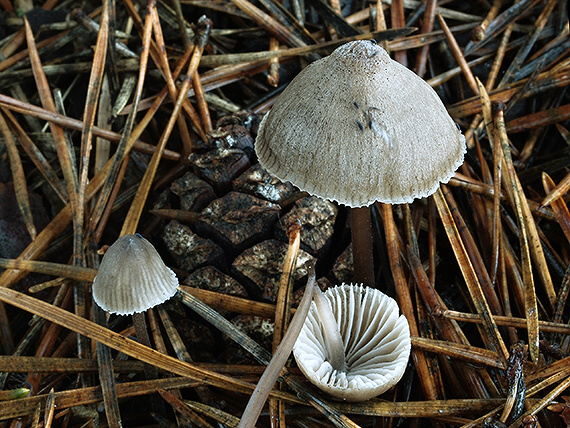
[141, 331]
[333, 338]
[362, 246]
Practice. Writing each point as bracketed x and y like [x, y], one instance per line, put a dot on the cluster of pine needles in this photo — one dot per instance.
[481, 269]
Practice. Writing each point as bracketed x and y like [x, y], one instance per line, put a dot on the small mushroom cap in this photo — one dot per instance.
[376, 342]
[132, 277]
[357, 127]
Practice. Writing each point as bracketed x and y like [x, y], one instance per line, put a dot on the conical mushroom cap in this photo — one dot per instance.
[376, 344]
[357, 127]
[132, 277]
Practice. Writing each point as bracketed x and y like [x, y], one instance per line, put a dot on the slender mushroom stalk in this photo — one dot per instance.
[333, 343]
[141, 329]
[362, 246]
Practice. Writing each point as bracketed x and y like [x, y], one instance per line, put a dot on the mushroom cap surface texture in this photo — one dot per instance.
[132, 277]
[376, 343]
[357, 127]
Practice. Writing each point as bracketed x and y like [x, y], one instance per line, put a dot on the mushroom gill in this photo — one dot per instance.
[375, 338]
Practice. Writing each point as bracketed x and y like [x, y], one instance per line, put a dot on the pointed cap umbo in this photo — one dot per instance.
[132, 277]
[376, 344]
[357, 127]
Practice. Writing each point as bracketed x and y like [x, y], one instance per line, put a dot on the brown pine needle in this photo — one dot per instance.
[35, 155]
[463, 352]
[511, 178]
[545, 326]
[202, 103]
[265, 21]
[497, 177]
[542, 403]
[540, 119]
[64, 156]
[557, 192]
[456, 50]
[127, 346]
[421, 409]
[469, 275]
[283, 307]
[131, 133]
[182, 408]
[57, 269]
[159, 55]
[224, 302]
[558, 206]
[461, 264]
[131, 221]
[75, 124]
[89, 114]
[23, 364]
[85, 396]
[18, 178]
[214, 413]
[50, 409]
[405, 300]
[216, 300]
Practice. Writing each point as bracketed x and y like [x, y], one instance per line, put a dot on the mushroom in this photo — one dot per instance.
[132, 277]
[354, 345]
[357, 127]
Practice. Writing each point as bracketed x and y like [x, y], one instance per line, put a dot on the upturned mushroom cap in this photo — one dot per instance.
[132, 277]
[357, 127]
[376, 343]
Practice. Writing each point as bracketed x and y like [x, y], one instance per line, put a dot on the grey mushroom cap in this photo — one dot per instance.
[132, 277]
[357, 127]
[376, 343]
